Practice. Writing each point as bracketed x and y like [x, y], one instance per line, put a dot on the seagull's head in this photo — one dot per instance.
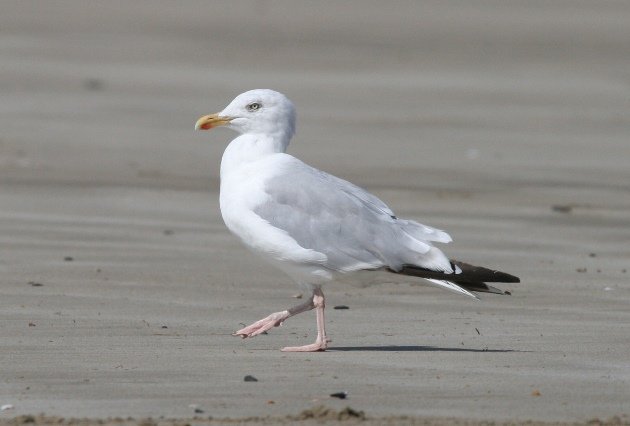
[261, 111]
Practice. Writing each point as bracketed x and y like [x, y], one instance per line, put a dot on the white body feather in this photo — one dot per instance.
[310, 224]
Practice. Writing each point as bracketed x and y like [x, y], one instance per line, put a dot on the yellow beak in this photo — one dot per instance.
[207, 122]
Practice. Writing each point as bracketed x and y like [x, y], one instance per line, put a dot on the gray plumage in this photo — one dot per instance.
[352, 227]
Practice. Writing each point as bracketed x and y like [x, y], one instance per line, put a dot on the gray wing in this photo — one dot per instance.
[352, 227]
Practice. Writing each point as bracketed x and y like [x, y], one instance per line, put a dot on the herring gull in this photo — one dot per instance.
[314, 226]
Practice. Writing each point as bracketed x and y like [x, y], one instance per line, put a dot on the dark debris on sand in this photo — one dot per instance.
[314, 416]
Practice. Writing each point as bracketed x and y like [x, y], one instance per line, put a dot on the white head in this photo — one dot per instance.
[259, 111]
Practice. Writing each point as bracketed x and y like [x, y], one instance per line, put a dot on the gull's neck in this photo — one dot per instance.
[250, 147]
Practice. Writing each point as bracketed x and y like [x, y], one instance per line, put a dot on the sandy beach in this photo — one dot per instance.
[505, 123]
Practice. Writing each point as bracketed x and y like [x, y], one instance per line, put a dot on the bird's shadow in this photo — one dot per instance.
[412, 348]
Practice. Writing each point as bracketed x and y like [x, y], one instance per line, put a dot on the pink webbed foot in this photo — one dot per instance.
[273, 320]
[276, 319]
[318, 346]
[321, 342]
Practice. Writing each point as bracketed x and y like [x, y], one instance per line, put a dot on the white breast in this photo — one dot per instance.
[242, 190]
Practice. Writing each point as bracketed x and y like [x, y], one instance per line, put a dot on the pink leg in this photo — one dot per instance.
[277, 318]
[274, 320]
[321, 343]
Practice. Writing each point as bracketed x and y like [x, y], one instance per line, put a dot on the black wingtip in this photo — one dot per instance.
[472, 278]
[485, 274]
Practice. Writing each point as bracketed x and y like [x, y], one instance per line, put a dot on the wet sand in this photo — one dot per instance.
[506, 124]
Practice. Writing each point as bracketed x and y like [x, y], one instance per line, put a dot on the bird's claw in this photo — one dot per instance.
[259, 327]
[318, 346]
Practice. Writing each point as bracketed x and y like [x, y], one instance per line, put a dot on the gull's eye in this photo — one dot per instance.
[253, 106]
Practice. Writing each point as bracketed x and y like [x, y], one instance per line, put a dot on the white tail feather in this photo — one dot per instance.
[448, 285]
